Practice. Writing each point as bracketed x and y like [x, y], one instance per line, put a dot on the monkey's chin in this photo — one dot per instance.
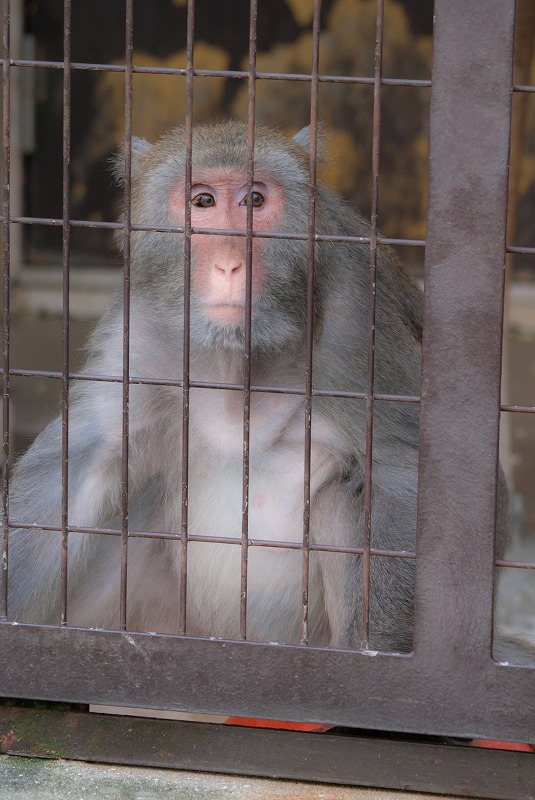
[226, 314]
[223, 326]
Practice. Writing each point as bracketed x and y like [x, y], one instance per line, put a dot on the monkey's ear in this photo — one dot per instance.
[302, 138]
[138, 147]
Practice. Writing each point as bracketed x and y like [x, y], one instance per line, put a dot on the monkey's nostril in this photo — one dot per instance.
[228, 267]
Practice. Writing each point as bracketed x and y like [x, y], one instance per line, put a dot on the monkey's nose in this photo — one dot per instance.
[228, 267]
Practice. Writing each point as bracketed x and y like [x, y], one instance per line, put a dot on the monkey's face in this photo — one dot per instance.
[218, 202]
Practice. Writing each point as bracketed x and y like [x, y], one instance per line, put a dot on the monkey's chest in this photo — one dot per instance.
[218, 424]
[276, 467]
[273, 504]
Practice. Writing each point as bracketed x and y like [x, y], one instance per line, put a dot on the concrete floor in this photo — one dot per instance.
[40, 779]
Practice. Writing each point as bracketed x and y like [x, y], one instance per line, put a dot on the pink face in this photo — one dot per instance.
[218, 200]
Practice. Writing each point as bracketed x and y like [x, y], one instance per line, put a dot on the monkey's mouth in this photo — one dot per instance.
[225, 313]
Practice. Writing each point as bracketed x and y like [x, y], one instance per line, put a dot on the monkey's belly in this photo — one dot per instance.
[274, 575]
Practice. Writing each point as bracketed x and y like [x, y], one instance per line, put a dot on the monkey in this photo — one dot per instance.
[220, 195]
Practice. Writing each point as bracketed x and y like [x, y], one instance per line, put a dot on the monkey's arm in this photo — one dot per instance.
[34, 555]
[338, 518]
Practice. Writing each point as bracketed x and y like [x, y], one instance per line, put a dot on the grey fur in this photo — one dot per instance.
[342, 296]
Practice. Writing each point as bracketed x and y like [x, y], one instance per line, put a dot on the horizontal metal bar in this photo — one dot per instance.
[221, 73]
[377, 691]
[138, 534]
[82, 376]
[521, 250]
[318, 237]
[523, 88]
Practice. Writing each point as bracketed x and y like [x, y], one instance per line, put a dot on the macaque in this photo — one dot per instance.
[219, 199]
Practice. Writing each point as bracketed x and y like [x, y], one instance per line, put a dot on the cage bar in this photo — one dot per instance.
[6, 171]
[66, 245]
[251, 122]
[127, 220]
[190, 43]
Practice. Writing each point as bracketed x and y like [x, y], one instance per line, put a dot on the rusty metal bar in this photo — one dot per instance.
[309, 357]
[80, 376]
[514, 564]
[465, 257]
[368, 478]
[140, 534]
[523, 250]
[251, 121]
[66, 244]
[220, 73]
[187, 296]
[80, 223]
[6, 129]
[127, 217]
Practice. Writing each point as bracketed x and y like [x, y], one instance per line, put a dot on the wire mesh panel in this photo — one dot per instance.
[223, 518]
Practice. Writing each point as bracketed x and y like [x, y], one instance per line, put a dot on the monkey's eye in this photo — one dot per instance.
[204, 200]
[257, 199]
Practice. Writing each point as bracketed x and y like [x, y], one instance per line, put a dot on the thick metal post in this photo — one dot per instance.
[465, 261]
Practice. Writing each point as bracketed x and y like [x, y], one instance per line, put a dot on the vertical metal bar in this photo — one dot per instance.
[66, 265]
[464, 274]
[186, 341]
[6, 81]
[251, 105]
[126, 308]
[311, 247]
[368, 483]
